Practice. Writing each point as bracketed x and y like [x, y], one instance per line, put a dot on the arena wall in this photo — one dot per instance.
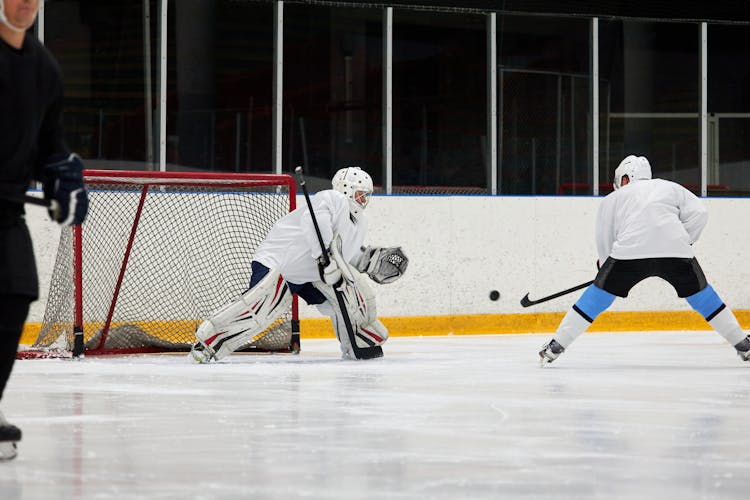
[463, 247]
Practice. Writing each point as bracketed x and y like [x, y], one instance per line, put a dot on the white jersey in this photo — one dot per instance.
[649, 218]
[292, 244]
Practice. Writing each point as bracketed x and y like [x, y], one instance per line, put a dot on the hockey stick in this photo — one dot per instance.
[33, 200]
[359, 352]
[526, 302]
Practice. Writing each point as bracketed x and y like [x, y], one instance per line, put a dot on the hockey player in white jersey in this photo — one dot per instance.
[646, 227]
[289, 261]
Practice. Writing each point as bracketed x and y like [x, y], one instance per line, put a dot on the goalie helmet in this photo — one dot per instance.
[356, 185]
[635, 167]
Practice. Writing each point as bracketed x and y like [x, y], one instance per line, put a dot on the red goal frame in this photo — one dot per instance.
[141, 179]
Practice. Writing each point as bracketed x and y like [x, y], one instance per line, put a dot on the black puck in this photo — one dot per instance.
[494, 295]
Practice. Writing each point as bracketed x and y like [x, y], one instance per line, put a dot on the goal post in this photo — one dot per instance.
[158, 253]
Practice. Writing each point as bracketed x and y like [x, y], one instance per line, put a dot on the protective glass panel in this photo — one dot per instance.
[108, 54]
[332, 90]
[439, 102]
[543, 104]
[649, 98]
[219, 85]
[728, 110]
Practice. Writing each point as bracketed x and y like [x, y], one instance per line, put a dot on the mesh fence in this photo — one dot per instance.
[159, 256]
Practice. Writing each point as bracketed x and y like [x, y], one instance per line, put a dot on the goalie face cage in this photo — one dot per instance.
[158, 253]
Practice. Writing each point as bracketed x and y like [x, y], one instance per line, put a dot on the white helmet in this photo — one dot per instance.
[635, 167]
[355, 184]
[5, 21]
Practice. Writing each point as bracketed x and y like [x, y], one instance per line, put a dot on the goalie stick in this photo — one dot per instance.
[33, 200]
[359, 352]
[526, 302]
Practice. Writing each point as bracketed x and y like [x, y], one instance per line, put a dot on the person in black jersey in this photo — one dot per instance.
[31, 149]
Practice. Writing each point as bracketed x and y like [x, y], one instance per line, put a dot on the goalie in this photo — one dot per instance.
[290, 260]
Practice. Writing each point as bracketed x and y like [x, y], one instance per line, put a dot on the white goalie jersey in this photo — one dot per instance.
[292, 244]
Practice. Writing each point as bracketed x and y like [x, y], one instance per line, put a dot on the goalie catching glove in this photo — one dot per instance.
[383, 265]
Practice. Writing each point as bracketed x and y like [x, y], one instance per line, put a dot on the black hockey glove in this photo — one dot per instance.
[63, 183]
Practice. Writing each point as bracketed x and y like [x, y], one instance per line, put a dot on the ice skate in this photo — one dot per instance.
[9, 435]
[550, 352]
[199, 353]
[743, 349]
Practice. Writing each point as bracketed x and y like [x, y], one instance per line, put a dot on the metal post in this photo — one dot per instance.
[278, 87]
[147, 94]
[558, 137]
[492, 100]
[163, 33]
[595, 105]
[388, 100]
[704, 107]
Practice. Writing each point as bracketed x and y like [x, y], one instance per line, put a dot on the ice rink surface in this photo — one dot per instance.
[618, 416]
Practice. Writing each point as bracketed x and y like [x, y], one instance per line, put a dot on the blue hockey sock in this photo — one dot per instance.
[706, 302]
[593, 302]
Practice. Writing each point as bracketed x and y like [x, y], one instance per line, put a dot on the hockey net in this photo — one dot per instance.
[158, 253]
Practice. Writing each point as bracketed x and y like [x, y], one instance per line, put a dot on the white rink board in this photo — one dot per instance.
[461, 247]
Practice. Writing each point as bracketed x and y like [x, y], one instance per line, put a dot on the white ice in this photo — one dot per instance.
[618, 416]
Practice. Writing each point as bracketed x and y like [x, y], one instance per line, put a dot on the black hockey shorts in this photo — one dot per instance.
[619, 276]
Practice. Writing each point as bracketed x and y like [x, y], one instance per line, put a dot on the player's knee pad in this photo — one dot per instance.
[245, 320]
[593, 302]
[706, 302]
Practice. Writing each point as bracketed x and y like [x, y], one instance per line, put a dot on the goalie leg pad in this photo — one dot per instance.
[243, 321]
[359, 302]
[361, 309]
[370, 335]
[339, 327]
[358, 298]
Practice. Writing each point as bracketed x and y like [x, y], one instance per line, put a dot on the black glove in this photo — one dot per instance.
[63, 184]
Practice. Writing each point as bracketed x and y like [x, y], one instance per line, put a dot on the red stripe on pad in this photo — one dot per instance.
[210, 340]
[278, 285]
[372, 334]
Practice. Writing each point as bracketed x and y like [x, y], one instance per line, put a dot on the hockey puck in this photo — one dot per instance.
[494, 295]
